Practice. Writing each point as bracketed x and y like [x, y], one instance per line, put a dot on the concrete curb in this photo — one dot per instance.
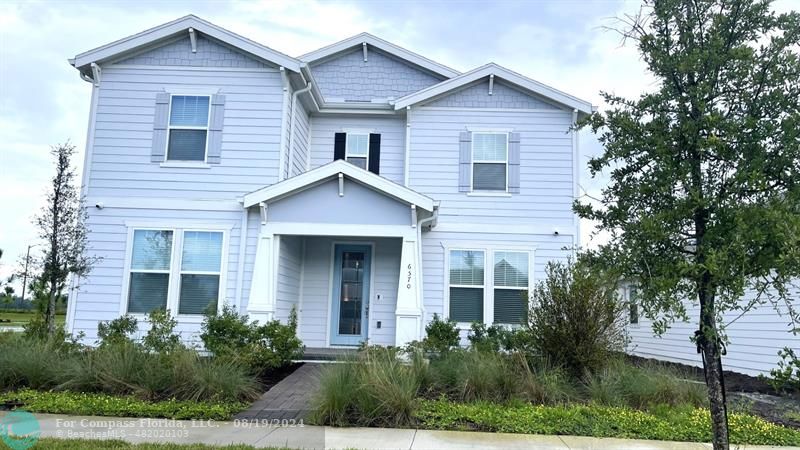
[297, 435]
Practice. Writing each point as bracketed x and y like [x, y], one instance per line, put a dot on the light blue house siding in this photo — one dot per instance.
[121, 165]
[178, 52]
[546, 165]
[347, 77]
[392, 129]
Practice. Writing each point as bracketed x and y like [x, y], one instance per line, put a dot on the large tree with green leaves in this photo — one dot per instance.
[703, 201]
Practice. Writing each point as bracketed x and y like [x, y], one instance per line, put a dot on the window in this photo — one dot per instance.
[510, 287]
[200, 269]
[188, 128]
[490, 162]
[357, 150]
[633, 305]
[150, 265]
[186, 280]
[466, 285]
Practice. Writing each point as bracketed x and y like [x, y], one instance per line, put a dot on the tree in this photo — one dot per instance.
[61, 225]
[703, 201]
[6, 290]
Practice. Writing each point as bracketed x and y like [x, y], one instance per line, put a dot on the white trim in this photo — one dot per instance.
[489, 193]
[301, 289]
[191, 68]
[503, 110]
[388, 47]
[366, 131]
[488, 130]
[165, 203]
[330, 170]
[407, 159]
[186, 164]
[576, 178]
[87, 161]
[170, 127]
[347, 154]
[179, 224]
[164, 31]
[335, 229]
[500, 228]
[501, 72]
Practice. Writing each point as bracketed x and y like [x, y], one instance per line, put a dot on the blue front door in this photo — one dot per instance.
[351, 268]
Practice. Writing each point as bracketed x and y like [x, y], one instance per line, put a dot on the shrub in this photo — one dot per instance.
[786, 377]
[108, 405]
[161, 337]
[576, 319]
[117, 331]
[33, 362]
[440, 335]
[261, 347]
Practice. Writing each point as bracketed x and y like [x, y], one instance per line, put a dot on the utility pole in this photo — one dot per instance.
[25, 273]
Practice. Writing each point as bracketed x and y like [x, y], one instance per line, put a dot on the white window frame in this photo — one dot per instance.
[511, 288]
[176, 256]
[446, 313]
[488, 276]
[474, 161]
[170, 127]
[347, 147]
[129, 269]
[181, 272]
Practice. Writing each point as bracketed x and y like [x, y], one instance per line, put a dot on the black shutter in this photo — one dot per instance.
[339, 143]
[375, 153]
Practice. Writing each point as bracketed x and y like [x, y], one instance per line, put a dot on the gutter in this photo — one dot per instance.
[284, 122]
[292, 121]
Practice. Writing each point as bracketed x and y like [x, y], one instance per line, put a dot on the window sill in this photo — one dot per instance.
[488, 194]
[186, 165]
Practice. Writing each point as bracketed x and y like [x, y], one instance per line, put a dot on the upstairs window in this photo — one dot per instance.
[490, 162]
[188, 128]
[357, 150]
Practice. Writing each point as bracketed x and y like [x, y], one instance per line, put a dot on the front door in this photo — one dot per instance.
[349, 315]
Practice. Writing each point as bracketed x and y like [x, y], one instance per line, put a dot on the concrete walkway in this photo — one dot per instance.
[261, 434]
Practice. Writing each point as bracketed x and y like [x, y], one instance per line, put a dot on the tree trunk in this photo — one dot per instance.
[712, 368]
[50, 312]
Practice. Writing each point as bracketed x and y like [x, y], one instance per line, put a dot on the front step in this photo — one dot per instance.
[327, 354]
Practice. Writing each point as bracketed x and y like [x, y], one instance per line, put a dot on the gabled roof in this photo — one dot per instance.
[170, 29]
[501, 72]
[388, 47]
[333, 169]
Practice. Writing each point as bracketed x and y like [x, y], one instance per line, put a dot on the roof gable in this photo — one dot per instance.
[169, 30]
[178, 52]
[359, 40]
[494, 70]
[331, 170]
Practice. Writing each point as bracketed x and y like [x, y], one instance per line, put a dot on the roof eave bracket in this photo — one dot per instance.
[491, 83]
[364, 48]
[193, 39]
[96, 73]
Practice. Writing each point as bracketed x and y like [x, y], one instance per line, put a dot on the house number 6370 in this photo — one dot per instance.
[408, 286]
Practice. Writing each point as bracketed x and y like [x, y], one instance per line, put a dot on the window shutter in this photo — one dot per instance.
[215, 129]
[160, 123]
[464, 161]
[513, 163]
[375, 153]
[339, 143]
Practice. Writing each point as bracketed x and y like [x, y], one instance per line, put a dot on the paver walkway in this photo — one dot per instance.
[289, 399]
[312, 437]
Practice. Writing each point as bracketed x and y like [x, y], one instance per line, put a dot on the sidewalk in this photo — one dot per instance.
[314, 437]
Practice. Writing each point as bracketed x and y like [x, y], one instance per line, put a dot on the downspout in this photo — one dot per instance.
[432, 219]
[284, 122]
[575, 179]
[406, 171]
[292, 120]
[242, 254]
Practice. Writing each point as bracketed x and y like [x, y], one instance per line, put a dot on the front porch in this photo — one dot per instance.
[342, 247]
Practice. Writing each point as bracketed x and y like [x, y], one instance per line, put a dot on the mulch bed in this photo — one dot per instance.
[745, 393]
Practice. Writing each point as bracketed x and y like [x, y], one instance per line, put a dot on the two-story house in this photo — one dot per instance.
[363, 185]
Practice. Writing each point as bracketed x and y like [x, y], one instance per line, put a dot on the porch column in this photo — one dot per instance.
[408, 315]
[261, 304]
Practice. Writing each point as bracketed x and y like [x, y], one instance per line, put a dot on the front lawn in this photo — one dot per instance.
[19, 319]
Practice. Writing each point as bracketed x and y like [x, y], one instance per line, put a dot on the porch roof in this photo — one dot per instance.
[331, 170]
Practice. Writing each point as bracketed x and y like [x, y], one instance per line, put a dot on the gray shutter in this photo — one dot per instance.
[513, 163]
[215, 129]
[160, 123]
[464, 161]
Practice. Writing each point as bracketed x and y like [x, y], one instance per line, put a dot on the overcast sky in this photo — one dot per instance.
[43, 101]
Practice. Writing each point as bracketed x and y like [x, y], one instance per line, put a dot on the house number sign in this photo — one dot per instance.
[408, 285]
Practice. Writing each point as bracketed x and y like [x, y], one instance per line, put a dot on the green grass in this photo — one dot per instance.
[662, 423]
[107, 405]
[70, 444]
[19, 319]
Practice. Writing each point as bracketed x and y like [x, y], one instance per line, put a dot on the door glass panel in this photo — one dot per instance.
[352, 293]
